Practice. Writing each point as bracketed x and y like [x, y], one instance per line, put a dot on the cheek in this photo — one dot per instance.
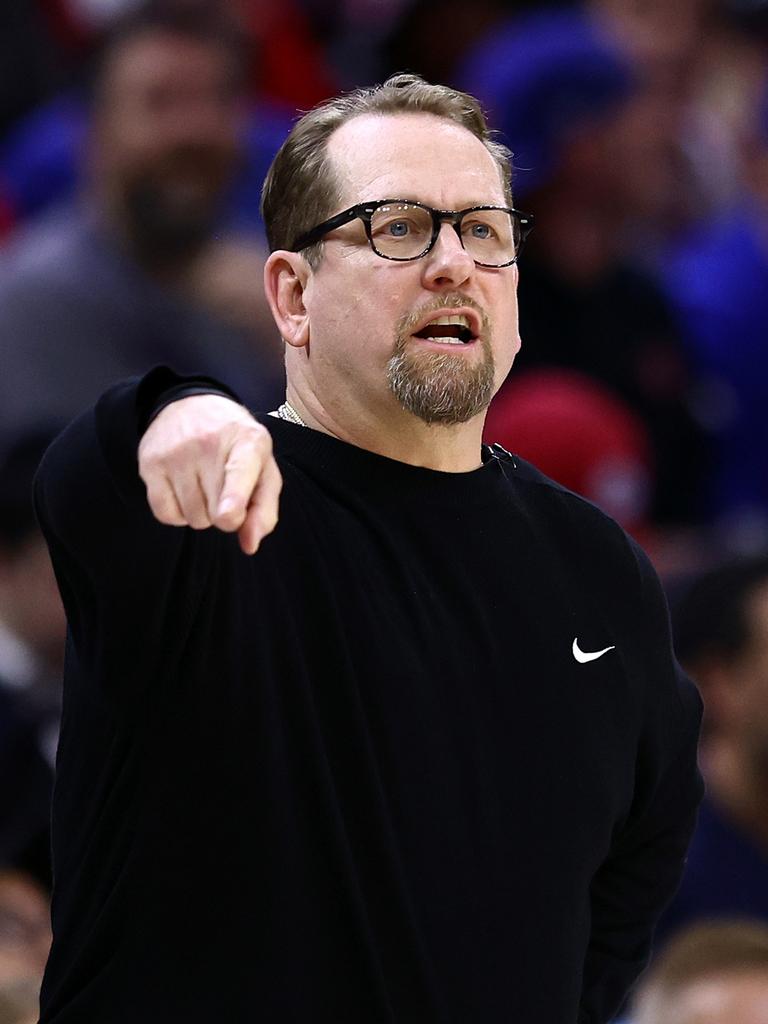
[507, 331]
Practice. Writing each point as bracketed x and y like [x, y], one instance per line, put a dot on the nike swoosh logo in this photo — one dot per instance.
[584, 656]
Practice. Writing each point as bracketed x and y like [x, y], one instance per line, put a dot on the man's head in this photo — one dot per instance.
[714, 973]
[355, 321]
[721, 638]
[165, 126]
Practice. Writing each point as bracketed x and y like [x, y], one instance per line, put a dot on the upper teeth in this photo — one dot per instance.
[460, 321]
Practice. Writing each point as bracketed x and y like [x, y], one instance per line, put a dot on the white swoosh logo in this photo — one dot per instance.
[584, 656]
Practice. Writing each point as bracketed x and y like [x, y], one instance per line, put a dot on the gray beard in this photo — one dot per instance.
[439, 387]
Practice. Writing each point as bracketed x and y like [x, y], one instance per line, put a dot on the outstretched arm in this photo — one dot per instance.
[207, 462]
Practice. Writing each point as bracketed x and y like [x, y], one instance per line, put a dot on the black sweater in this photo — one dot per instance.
[359, 777]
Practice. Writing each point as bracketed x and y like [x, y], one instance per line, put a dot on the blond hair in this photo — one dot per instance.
[301, 189]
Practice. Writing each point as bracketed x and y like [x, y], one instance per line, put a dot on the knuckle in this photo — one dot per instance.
[149, 464]
[165, 513]
[230, 520]
[208, 443]
[170, 518]
[264, 437]
[199, 522]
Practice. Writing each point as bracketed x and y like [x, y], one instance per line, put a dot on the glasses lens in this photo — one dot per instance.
[491, 237]
[401, 231]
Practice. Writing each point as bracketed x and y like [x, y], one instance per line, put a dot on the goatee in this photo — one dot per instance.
[441, 387]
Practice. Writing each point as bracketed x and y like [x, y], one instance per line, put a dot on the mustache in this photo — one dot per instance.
[452, 300]
[214, 162]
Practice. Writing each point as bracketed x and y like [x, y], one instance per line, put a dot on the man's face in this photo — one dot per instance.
[166, 138]
[365, 311]
[734, 997]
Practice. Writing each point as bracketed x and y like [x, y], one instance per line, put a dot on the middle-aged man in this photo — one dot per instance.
[142, 268]
[721, 637]
[426, 757]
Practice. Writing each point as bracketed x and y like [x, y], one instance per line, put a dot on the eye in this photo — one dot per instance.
[480, 229]
[398, 228]
[395, 227]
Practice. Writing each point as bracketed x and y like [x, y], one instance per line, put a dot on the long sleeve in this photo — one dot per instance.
[119, 570]
[647, 856]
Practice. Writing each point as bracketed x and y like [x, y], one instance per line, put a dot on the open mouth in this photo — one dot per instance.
[448, 330]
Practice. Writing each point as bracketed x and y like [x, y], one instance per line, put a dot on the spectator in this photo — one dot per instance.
[25, 937]
[721, 630]
[559, 89]
[31, 663]
[717, 278]
[713, 973]
[137, 274]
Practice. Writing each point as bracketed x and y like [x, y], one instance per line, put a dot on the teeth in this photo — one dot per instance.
[459, 321]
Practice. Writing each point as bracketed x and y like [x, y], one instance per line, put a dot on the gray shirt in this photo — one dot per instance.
[77, 314]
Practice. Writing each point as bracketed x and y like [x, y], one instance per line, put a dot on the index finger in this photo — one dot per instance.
[263, 513]
[241, 474]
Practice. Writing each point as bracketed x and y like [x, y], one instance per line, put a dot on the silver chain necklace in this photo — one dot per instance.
[287, 412]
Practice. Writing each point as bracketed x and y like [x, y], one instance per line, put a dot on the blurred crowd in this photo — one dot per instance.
[134, 137]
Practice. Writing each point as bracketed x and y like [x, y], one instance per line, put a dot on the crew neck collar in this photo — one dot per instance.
[372, 473]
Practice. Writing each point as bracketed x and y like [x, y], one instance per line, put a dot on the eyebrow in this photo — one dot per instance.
[423, 202]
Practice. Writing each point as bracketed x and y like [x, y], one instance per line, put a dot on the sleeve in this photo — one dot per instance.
[647, 856]
[129, 584]
[162, 386]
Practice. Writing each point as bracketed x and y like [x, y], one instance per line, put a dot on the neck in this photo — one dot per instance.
[400, 435]
[737, 786]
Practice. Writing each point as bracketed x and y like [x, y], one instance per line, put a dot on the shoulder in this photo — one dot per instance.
[43, 249]
[594, 552]
[566, 513]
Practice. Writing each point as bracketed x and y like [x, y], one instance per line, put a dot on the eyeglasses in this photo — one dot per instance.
[399, 229]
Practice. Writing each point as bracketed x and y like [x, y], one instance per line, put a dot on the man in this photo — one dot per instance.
[430, 741]
[712, 973]
[721, 636]
[140, 270]
[716, 275]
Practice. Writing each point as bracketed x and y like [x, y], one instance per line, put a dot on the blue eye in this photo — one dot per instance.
[481, 230]
[398, 228]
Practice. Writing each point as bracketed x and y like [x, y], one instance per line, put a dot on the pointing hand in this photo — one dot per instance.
[207, 462]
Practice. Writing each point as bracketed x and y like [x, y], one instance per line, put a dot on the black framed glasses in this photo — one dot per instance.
[401, 229]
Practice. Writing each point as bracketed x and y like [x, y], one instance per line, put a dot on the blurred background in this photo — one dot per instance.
[134, 138]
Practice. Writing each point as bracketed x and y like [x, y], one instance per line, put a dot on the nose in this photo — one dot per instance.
[447, 264]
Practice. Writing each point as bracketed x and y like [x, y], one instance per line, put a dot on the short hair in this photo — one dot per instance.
[726, 946]
[301, 189]
[711, 618]
[199, 20]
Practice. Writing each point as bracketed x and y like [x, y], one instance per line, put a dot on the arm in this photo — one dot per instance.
[647, 856]
[102, 459]
[122, 571]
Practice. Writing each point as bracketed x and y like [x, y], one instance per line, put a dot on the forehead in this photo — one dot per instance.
[413, 156]
[730, 996]
[159, 58]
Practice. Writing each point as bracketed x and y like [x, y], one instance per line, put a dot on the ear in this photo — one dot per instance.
[285, 279]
